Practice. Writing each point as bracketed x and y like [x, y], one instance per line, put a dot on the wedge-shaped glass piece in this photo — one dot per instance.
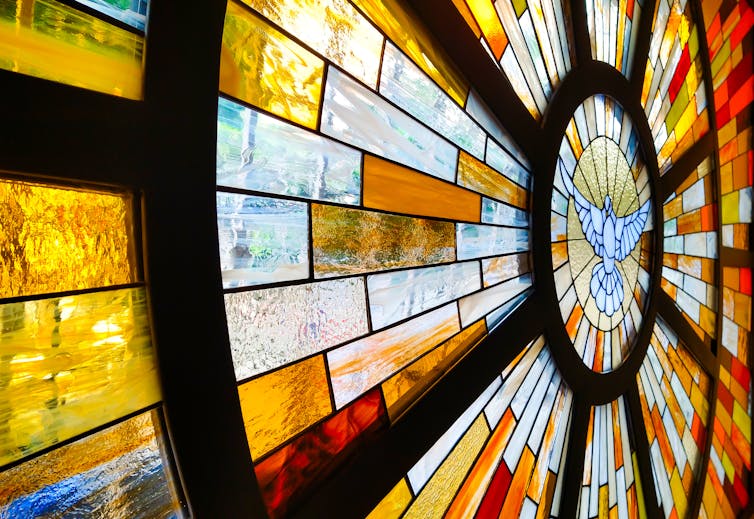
[360, 365]
[272, 327]
[261, 240]
[263, 67]
[281, 404]
[331, 27]
[613, 28]
[50, 40]
[261, 153]
[393, 296]
[120, 472]
[393, 188]
[405, 84]
[54, 239]
[350, 241]
[72, 364]
[476, 241]
[358, 116]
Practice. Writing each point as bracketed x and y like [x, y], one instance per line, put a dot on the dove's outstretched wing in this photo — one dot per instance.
[591, 217]
[628, 231]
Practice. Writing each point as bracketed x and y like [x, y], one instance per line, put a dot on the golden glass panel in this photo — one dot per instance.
[54, 239]
[70, 364]
[331, 27]
[394, 188]
[405, 387]
[261, 66]
[279, 405]
[47, 39]
[476, 175]
[393, 504]
[415, 41]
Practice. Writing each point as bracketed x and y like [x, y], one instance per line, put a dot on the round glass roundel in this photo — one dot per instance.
[601, 225]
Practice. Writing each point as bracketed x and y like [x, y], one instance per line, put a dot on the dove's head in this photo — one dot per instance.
[608, 204]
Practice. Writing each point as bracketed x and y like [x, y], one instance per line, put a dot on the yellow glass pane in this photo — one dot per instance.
[70, 364]
[393, 504]
[331, 27]
[476, 175]
[54, 239]
[401, 390]
[409, 34]
[489, 22]
[393, 188]
[50, 40]
[261, 66]
[439, 491]
[283, 403]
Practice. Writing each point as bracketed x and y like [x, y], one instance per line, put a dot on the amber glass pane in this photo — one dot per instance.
[118, 473]
[70, 364]
[261, 66]
[393, 504]
[406, 386]
[390, 187]
[331, 27]
[349, 241]
[283, 403]
[53, 239]
[476, 175]
[50, 40]
[413, 39]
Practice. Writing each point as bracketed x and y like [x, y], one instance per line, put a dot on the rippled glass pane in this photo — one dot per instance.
[476, 241]
[261, 153]
[71, 364]
[360, 365]
[405, 84]
[261, 240]
[272, 327]
[393, 296]
[132, 12]
[280, 404]
[350, 241]
[119, 473]
[393, 188]
[261, 66]
[55, 239]
[50, 40]
[331, 27]
[358, 116]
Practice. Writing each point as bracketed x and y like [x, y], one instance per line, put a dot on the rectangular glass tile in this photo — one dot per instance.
[55, 239]
[410, 35]
[360, 365]
[263, 67]
[496, 270]
[484, 116]
[393, 188]
[358, 116]
[502, 214]
[134, 13]
[351, 241]
[502, 161]
[331, 27]
[476, 241]
[272, 327]
[48, 39]
[477, 305]
[479, 177]
[119, 473]
[281, 404]
[71, 364]
[261, 240]
[394, 296]
[261, 153]
[317, 453]
[407, 86]
[406, 386]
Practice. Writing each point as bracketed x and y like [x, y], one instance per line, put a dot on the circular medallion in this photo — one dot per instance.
[601, 226]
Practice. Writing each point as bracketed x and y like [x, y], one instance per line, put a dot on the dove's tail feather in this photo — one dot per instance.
[607, 289]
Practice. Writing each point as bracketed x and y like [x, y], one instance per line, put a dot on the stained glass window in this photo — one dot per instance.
[613, 30]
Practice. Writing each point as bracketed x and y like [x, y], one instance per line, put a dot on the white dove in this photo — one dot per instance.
[612, 239]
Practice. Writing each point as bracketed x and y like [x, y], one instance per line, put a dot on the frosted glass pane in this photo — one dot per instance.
[476, 241]
[502, 214]
[261, 240]
[272, 327]
[261, 153]
[478, 305]
[503, 162]
[360, 117]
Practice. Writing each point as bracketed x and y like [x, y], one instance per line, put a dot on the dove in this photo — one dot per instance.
[612, 238]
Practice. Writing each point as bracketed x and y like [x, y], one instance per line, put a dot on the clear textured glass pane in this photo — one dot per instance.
[132, 12]
[477, 241]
